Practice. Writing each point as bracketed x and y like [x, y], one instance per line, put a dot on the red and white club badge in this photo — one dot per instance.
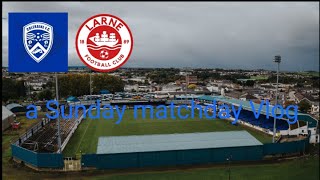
[104, 42]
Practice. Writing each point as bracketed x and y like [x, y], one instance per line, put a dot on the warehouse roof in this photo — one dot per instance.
[13, 105]
[168, 142]
[6, 113]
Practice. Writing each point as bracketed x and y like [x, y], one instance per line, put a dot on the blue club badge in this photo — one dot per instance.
[38, 42]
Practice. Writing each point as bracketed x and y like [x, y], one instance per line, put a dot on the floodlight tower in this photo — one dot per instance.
[90, 72]
[277, 59]
[229, 170]
[58, 120]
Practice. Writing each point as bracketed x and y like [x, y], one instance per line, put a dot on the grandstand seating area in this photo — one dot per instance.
[46, 139]
[262, 121]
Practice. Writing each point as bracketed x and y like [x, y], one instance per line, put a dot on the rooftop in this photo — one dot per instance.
[168, 142]
[13, 105]
[6, 113]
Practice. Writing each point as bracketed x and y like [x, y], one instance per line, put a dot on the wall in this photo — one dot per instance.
[171, 158]
[314, 138]
[189, 157]
[286, 147]
[39, 160]
[32, 131]
[6, 123]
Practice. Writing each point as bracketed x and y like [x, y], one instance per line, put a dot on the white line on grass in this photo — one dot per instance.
[85, 131]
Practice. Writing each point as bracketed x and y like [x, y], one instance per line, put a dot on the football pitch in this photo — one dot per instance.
[85, 138]
[301, 168]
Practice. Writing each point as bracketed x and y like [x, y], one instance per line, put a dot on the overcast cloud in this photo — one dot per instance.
[200, 34]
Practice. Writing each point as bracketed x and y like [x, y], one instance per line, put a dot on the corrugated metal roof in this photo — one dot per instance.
[13, 105]
[6, 113]
[167, 142]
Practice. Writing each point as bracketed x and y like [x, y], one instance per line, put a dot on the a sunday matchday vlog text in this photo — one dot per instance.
[165, 112]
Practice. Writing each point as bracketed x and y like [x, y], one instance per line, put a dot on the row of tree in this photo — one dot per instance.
[69, 85]
[12, 89]
[304, 106]
[161, 76]
[299, 81]
[79, 84]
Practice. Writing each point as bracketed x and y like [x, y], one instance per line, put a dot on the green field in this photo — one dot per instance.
[85, 139]
[310, 73]
[259, 77]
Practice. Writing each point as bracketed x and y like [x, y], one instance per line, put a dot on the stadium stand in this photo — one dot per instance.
[46, 139]
[262, 121]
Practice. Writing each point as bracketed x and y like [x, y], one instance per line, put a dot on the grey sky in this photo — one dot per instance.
[200, 34]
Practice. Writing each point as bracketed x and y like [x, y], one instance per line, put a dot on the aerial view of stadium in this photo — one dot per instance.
[82, 101]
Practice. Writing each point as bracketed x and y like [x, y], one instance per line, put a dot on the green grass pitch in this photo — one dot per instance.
[85, 139]
[302, 168]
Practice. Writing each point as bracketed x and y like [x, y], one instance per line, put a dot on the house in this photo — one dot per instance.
[130, 88]
[170, 88]
[191, 79]
[214, 89]
[144, 89]
[298, 97]
[7, 118]
[248, 97]
[138, 79]
[315, 107]
[233, 94]
[184, 73]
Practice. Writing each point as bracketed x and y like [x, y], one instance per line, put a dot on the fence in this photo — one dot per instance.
[172, 158]
[39, 160]
[32, 131]
[286, 147]
[188, 157]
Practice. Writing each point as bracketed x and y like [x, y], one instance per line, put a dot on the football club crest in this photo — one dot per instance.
[104, 42]
[38, 42]
[38, 39]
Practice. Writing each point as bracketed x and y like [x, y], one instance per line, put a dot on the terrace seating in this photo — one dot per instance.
[47, 137]
[263, 122]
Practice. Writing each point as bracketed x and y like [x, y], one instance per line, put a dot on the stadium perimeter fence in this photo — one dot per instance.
[191, 157]
[152, 159]
[40, 160]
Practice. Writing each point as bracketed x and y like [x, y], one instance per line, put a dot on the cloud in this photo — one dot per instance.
[200, 34]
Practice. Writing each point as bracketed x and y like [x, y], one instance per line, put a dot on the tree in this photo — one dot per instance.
[299, 85]
[192, 86]
[45, 94]
[13, 89]
[315, 82]
[48, 85]
[74, 85]
[105, 81]
[304, 106]
[79, 84]
[249, 83]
